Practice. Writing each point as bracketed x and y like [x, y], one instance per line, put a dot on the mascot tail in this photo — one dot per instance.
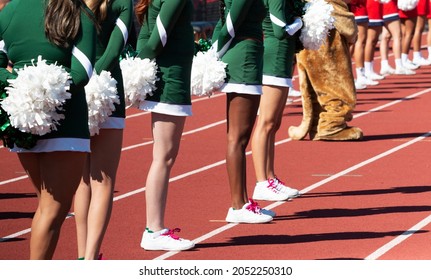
[299, 132]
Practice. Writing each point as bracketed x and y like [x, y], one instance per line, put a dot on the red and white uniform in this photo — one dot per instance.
[359, 9]
[375, 13]
[390, 11]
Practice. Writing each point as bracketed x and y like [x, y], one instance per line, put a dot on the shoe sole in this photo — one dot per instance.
[166, 249]
[249, 222]
[266, 199]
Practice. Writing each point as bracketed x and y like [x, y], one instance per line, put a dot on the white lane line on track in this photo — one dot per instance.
[13, 180]
[224, 121]
[315, 185]
[394, 242]
[273, 205]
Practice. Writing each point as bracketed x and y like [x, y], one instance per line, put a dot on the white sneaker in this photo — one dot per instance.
[404, 71]
[285, 189]
[410, 65]
[362, 80]
[421, 61]
[387, 70]
[268, 212]
[250, 213]
[166, 240]
[360, 85]
[375, 76]
[294, 93]
[268, 191]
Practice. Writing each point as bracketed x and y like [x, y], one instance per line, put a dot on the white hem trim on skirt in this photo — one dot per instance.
[242, 88]
[113, 123]
[276, 81]
[57, 145]
[165, 108]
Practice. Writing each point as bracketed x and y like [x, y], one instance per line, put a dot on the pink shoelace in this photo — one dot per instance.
[273, 185]
[171, 233]
[254, 207]
[279, 181]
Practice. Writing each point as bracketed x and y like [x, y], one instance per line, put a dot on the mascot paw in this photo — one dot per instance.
[347, 134]
[297, 132]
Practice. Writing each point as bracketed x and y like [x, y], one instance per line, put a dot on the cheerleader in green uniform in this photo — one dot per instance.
[277, 78]
[239, 42]
[63, 33]
[93, 200]
[167, 36]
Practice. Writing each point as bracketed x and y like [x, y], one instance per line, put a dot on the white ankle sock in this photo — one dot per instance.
[398, 63]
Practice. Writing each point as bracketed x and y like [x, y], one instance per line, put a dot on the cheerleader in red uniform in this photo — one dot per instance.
[392, 30]
[422, 12]
[375, 24]
[429, 34]
[408, 24]
[359, 9]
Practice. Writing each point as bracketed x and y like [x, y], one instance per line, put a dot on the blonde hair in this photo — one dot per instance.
[99, 8]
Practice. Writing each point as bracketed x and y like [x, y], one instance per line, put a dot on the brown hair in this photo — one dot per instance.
[62, 20]
[141, 10]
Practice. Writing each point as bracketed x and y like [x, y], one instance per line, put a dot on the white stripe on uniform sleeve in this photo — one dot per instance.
[123, 29]
[83, 59]
[2, 46]
[229, 26]
[162, 32]
[277, 21]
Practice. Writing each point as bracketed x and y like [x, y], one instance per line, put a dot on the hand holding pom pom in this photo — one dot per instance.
[36, 96]
[317, 23]
[208, 73]
[140, 76]
[101, 94]
[407, 5]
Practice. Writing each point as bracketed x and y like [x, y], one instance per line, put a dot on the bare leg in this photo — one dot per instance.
[417, 42]
[167, 131]
[372, 38]
[97, 196]
[270, 114]
[241, 115]
[407, 29]
[57, 176]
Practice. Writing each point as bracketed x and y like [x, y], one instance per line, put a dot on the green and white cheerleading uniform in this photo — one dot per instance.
[22, 29]
[111, 41]
[167, 36]
[239, 43]
[279, 46]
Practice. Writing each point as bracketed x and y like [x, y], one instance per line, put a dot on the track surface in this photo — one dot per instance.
[360, 200]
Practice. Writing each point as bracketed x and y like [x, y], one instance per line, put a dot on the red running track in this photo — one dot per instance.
[361, 200]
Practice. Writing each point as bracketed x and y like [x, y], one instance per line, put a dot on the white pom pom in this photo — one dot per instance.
[101, 94]
[208, 73]
[140, 76]
[35, 96]
[318, 21]
[407, 5]
[384, 1]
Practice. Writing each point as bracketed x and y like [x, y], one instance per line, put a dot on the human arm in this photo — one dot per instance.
[118, 37]
[234, 19]
[84, 52]
[276, 10]
[169, 13]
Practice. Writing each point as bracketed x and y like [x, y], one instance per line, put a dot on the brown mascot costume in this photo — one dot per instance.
[327, 83]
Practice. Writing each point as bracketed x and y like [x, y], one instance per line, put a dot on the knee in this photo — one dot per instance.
[238, 143]
[267, 126]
